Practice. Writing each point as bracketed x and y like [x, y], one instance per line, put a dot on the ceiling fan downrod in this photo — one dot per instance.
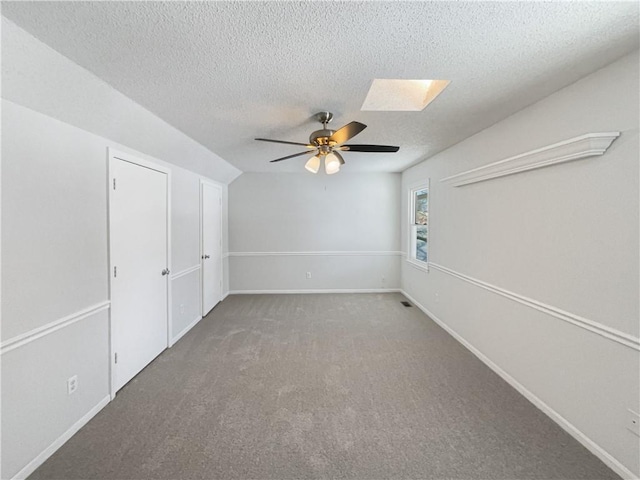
[321, 137]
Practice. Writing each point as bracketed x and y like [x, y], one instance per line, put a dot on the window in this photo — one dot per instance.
[419, 225]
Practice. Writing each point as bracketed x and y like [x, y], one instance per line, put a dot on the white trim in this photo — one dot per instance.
[31, 335]
[111, 341]
[112, 154]
[185, 330]
[590, 325]
[220, 189]
[131, 158]
[423, 266]
[225, 255]
[186, 271]
[316, 290]
[316, 254]
[169, 258]
[567, 426]
[61, 440]
[584, 146]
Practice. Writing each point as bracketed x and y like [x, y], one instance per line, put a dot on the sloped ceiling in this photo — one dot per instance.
[226, 72]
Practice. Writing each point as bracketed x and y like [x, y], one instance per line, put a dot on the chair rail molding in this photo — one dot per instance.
[184, 272]
[51, 327]
[605, 331]
[584, 146]
[317, 254]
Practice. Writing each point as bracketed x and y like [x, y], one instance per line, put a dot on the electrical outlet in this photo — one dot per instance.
[308, 275]
[437, 297]
[182, 309]
[72, 384]
[633, 422]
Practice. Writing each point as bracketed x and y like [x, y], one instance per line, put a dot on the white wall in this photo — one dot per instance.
[55, 296]
[566, 236]
[55, 265]
[274, 218]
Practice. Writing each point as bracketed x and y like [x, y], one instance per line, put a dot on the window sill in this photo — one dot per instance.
[423, 266]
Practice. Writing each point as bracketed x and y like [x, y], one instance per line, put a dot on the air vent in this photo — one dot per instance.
[406, 304]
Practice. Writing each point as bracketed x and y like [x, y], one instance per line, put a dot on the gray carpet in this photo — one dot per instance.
[320, 386]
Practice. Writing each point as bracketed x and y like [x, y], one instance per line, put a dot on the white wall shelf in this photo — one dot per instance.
[584, 146]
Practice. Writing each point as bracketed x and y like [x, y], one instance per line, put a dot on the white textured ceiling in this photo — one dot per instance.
[226, 72]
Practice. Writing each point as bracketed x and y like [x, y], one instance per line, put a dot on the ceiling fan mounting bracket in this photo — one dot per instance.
[324, 117]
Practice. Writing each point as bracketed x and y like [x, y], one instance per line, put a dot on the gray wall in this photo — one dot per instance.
[565, 236]
[55, 298]
[284, 225]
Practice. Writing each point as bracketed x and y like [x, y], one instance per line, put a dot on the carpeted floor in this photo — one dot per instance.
[320, 386]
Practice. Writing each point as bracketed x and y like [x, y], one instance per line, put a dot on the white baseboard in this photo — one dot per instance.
[185, 330]
[61, 440]
[327, 290]
[589, 444]
[225, 295]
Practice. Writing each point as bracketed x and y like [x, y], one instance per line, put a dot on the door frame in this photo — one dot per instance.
[219, 187]
[112, 155]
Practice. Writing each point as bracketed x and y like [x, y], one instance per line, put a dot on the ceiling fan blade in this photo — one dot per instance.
[284, 141]
[350, 130]
[369, 148]
[291, 156]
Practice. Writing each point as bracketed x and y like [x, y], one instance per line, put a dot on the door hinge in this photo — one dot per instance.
[116, 357]
[115, 271]
[114, 183]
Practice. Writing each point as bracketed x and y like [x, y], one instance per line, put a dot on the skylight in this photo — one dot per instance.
[402, 95]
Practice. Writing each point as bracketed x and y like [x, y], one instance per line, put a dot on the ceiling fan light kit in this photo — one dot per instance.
[326, 144]
[331, 164]
[313, 165]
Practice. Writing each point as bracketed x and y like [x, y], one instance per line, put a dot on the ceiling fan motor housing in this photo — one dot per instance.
[321, 137]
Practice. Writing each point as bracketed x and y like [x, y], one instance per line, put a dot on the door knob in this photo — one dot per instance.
[165, 272]
[206, 256]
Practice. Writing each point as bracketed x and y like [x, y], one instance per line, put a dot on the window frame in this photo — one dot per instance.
[412, 226]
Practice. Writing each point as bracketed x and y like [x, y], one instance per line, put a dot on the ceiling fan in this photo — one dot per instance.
[327, 144]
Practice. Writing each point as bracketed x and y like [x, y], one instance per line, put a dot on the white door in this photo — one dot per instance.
[211, 256]
[139, 267]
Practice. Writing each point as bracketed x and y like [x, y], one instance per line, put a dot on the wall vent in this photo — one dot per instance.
[406, 304]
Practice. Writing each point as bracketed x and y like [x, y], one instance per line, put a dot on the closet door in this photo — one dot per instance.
[211, 242]
[139, 267]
